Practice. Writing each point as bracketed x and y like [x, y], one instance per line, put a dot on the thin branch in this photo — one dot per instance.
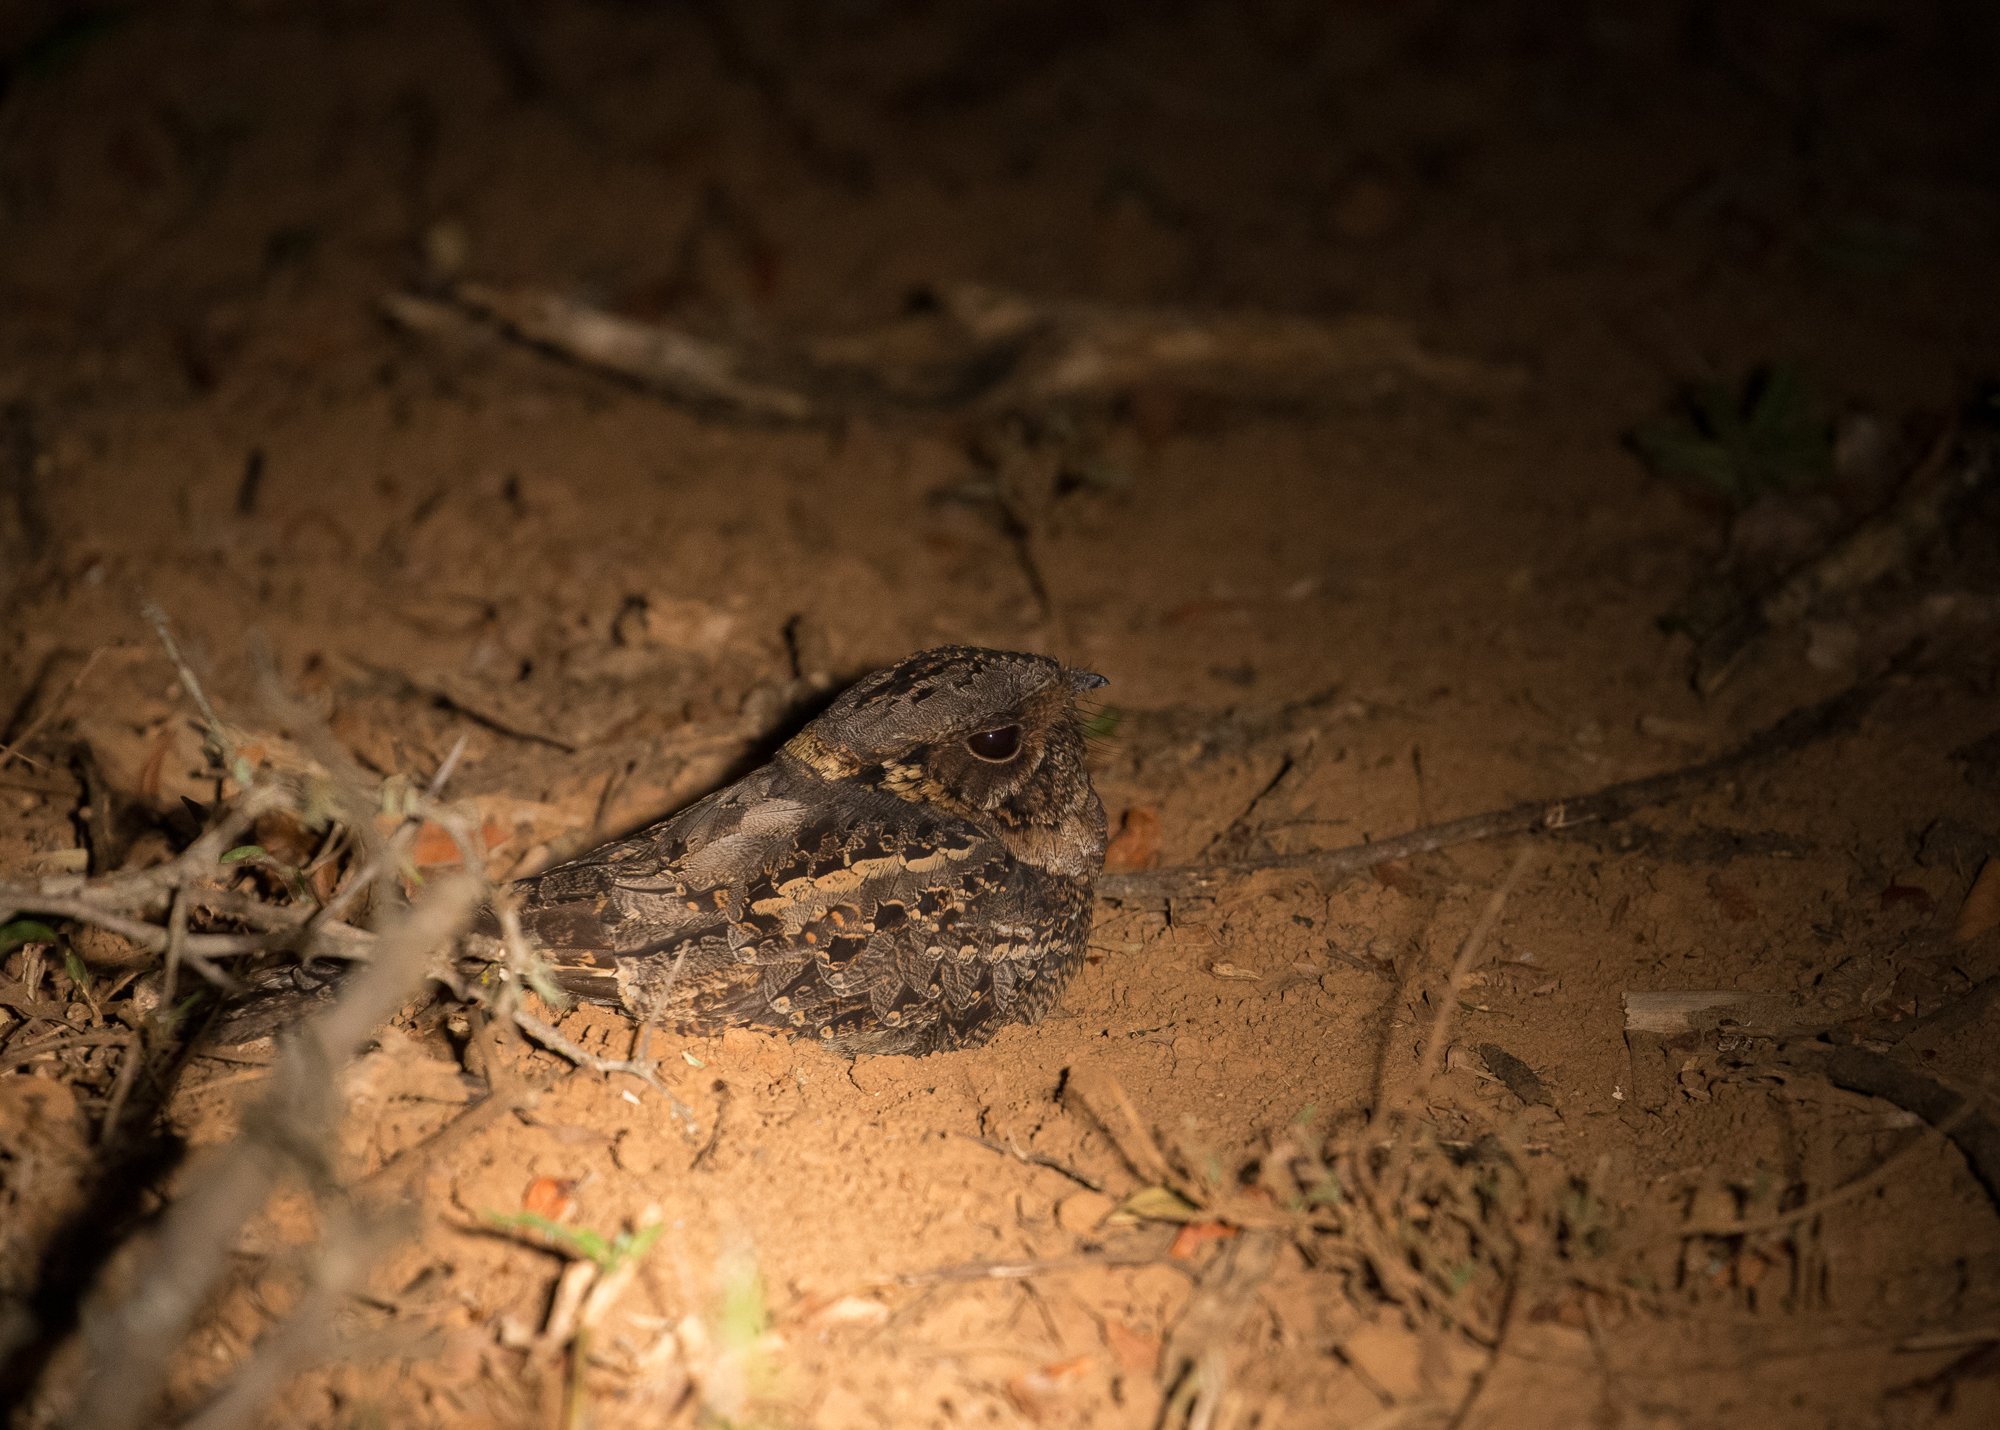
[555, 1042]
[1019, 1270]
[135, 1054]
[156, 615]
[42, 716]
[131, 1345]
[1468, 958]
[1794, 732]
[53, 1047]
[1034, 1159]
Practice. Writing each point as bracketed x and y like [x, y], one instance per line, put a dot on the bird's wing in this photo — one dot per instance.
[790, 903]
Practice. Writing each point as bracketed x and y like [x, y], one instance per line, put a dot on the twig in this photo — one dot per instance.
[1100, 1091]
[177, 933]
[1846, 1191]
[196, 951]
[1957, 1118]
[707, 1152]
[1390, 1180]
[555, 1042]
[1614, 802]
[135, 1053]
[508, 1095]
[1195, 1355]
[163, 628]
[443, 775]
[49, 1048]
[1035, 1159]
[42, 716]
[1467, 960]
[348, 1249]
[1017, 1270]
[1865, 555]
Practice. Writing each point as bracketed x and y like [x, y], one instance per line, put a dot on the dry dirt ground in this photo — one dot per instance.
[1325, 621]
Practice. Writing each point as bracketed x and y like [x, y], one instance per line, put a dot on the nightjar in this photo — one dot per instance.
[911, 873]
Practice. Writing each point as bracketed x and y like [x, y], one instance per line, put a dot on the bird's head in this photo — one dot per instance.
[991, 736]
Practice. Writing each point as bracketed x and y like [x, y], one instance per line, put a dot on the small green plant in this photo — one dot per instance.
[1744, 442]
[21, 931]
[609, 1253]
[744, 1314]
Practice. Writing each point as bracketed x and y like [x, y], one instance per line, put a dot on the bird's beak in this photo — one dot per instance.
[1082, 680]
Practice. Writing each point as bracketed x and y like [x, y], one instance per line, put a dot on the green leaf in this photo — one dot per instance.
[181, 1011]
[744, 1314]
[25, 931]
[631, 1245]
[1104, 724]
[580, 1241]
[78, 974]
[245, 851]
[1745, 442]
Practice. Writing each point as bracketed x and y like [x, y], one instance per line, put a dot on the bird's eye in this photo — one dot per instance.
[995, 745]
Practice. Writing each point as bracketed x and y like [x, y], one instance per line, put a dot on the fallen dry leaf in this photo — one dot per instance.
[846, 1311]
[1394, 874]
[1981, 909]
[436, 849]
[1135, 1353]
[1231, 970]
[285, 838]
[1737, 906]
[549, 1197]
[1197, 1234]
[1137, 845]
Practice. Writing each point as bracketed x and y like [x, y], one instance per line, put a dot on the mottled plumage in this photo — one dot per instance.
[912, 872]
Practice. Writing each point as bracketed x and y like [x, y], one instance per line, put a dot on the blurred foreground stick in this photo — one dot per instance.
[973, 351]
[1614, 802]
[291, 1129]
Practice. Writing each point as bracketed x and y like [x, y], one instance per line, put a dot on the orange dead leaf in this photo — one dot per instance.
[1394, 874]
[1981, 909]
[435, 848]
[1136, 1354]
[1737, 906]
[149, 777]
[284, 838]
[549, 1197]
[1197, 1234]
[1137, 845]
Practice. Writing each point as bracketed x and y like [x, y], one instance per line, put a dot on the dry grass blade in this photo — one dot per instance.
[47, 712]
[1104, 1097]
[1196, 1360]
[1468, 959]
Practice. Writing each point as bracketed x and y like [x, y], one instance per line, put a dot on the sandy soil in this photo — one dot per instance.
[1324, 622]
